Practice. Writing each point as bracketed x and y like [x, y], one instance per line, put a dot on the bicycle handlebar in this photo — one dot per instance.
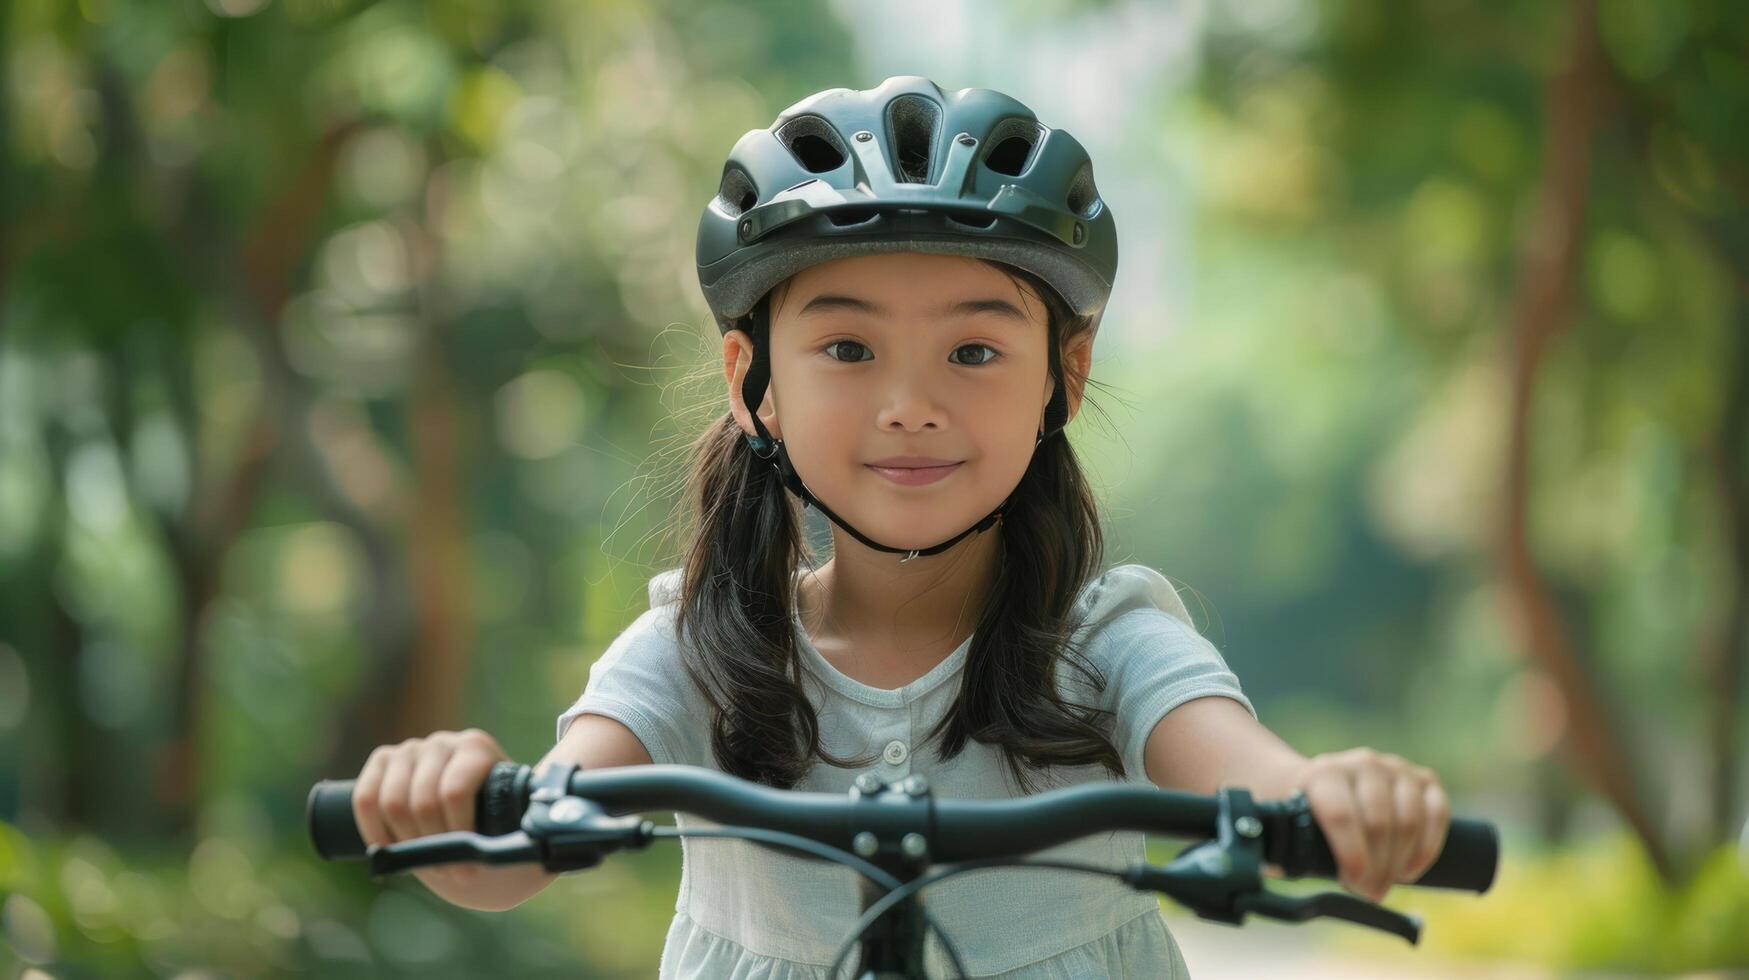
[955, 830]
[567, 819]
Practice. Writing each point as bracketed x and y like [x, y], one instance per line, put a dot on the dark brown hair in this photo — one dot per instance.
[737, 635]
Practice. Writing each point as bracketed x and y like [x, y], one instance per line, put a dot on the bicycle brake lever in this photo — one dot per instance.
[571, 833]
[1330, 905]
[449, 848]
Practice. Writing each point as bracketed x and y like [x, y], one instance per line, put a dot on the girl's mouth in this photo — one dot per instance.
[912, 476]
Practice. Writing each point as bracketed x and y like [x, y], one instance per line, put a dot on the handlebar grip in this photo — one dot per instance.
[1468, 861]
[498, 810]
[332, 827]
[1470, 858]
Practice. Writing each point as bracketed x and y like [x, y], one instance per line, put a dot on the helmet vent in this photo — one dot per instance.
[1083, 196]
[737, 192]
[1011, 145]
[814, 144]
[973, 220]
[849, 217]
[912, 120]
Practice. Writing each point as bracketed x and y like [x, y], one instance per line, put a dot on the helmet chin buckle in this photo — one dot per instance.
[908, 556]
[762, 447]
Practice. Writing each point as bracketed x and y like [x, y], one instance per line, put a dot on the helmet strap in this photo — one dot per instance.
[758, 378]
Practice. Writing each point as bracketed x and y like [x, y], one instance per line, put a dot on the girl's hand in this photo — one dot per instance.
[1385, 817]
[425, 786]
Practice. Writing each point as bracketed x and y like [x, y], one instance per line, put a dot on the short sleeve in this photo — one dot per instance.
[1139, 636]
[639, 681]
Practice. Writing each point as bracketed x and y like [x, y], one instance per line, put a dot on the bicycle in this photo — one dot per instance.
[901, 839]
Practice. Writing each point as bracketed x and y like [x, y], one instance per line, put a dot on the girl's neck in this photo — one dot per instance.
[865, 600]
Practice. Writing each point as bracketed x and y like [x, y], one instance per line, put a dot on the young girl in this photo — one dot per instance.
[908, 282]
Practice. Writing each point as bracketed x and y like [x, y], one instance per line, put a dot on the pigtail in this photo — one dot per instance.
[737, 639]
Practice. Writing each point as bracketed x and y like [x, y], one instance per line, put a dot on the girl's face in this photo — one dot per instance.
[909, 388]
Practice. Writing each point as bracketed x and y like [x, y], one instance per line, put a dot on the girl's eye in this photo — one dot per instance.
[844, 343]
[984, 360]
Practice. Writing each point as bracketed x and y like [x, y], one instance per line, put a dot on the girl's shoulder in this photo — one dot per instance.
[1124, 589]
[650, 639]
[640, 681]
[664, 587]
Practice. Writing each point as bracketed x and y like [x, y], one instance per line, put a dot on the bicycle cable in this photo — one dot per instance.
[915, 885]
[870, 871]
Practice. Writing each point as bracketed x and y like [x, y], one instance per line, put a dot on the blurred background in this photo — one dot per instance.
[348, 351]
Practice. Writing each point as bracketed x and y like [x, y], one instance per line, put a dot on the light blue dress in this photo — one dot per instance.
[748, 913]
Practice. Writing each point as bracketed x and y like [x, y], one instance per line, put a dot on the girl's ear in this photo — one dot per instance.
[1077, 364]
[737, 359]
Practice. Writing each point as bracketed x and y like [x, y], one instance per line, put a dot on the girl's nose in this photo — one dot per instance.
[910, 407]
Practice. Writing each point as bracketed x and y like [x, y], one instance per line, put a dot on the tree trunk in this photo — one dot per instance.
[437, 673]
[198, 548]
[253, 273]
[1543, 309]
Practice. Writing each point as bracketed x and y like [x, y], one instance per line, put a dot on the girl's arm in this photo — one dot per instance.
[1385, 817]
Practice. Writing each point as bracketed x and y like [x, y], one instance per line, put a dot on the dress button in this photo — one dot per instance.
[895, 752]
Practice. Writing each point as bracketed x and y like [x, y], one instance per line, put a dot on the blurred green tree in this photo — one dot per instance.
[369, 268]
[1570, 321]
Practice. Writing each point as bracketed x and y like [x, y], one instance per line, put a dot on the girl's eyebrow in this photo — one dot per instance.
[827, 302]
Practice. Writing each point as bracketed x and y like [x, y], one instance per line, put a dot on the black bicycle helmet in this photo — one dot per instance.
[902, 167]
[905, 167]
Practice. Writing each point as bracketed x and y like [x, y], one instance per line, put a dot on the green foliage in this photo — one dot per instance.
[1592, 906]
[245, 904]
